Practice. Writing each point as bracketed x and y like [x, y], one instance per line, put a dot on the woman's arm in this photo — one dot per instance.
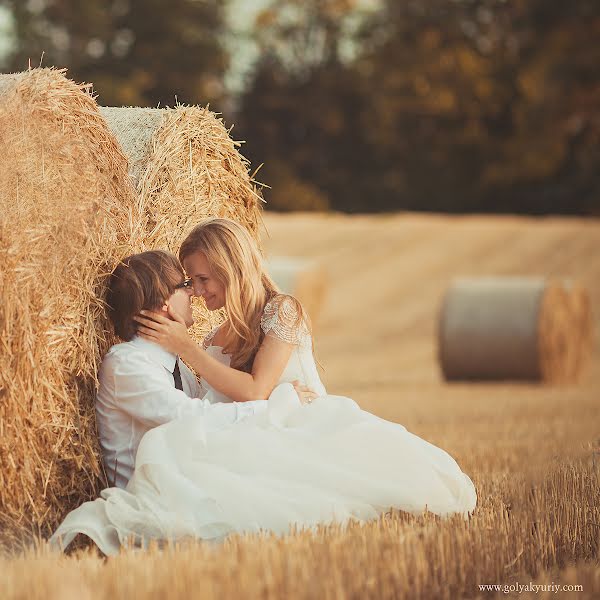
[269, 363]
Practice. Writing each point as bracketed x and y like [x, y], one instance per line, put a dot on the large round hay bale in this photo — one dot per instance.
[67, 211]
[303, 278]
[509, 328]
[185, 167]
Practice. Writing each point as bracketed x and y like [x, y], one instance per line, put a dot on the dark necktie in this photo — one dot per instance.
[177, 376]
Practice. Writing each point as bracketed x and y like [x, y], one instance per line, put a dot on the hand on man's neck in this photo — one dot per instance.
[164, 311]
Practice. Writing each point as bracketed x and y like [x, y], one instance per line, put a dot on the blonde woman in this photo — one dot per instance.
[299, 463]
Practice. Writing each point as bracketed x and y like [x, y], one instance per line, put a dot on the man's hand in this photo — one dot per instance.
[305, 394]
[169, 332]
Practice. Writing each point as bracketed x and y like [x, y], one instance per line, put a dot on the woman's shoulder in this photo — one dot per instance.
[284, 317]
[284, 306]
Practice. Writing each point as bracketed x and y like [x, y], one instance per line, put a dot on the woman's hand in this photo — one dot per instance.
[305, 394]
[171, 333]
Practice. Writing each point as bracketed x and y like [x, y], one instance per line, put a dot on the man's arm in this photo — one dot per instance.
[143, 390]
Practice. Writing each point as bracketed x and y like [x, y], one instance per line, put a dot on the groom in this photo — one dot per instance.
[141, 384]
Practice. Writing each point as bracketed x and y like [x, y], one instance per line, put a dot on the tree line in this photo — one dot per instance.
[434, 105]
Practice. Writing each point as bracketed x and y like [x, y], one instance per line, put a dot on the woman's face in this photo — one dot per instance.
[197, 267]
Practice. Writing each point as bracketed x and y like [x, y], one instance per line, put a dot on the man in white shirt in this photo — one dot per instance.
[141, 384]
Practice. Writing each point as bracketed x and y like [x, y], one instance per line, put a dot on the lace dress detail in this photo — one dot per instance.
[280, 320]
[207, 341]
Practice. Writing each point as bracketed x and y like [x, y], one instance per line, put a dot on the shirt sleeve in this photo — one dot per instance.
[143, 390]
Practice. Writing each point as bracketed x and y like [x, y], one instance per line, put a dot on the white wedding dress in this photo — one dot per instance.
[289, 464]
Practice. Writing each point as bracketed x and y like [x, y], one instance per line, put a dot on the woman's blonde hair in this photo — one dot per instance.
[237, 264]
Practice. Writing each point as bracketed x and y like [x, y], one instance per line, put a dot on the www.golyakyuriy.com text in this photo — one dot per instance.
[520, 588]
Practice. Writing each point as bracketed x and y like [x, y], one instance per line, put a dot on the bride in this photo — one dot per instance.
[292, 463]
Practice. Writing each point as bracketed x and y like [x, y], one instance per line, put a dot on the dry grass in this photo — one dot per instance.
[518, 529]
[533, 451]
[68, 215]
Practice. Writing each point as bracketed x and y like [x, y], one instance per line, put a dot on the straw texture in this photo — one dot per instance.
[185, 167]
[514, 328]
[69, 213]
[581, 316]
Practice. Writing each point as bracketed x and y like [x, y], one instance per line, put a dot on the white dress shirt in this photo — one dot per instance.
[137, 392]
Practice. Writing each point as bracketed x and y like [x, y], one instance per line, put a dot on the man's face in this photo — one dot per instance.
[181, 303]
[197, 267]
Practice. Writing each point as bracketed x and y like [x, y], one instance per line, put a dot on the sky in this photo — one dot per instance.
[243, 52]
[241, 15]
[5, 37]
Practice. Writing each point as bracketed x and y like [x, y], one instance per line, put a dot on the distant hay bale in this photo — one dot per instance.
[583, 329]
[512, 328]
[68, 215]
[185, 167]
[305, 279]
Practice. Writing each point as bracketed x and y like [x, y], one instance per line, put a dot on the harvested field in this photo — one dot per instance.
[532, 450]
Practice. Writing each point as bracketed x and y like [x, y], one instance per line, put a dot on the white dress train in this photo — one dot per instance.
[289, 464]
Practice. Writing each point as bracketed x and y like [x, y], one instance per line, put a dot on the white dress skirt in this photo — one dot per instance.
[287, 465]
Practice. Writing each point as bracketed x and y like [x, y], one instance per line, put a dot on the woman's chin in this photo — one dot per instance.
[212, 306]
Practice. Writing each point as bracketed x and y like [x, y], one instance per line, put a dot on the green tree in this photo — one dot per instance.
[136, 52]
[451, 105]
[301, 114]
[494, 99]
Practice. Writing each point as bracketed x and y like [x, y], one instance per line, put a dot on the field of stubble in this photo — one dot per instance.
[533, 451]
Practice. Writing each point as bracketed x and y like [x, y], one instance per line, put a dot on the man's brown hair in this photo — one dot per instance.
[140, 282]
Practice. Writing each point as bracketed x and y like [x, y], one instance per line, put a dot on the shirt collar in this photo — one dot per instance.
[158, 353]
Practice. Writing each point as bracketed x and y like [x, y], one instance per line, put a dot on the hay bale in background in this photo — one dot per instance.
[510, 328]
[185, 167]
[68, 215]
[305, 279]
[581, 316]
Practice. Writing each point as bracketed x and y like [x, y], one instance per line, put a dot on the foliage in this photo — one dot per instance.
[474, 105]
[136, 52]
[356, 105]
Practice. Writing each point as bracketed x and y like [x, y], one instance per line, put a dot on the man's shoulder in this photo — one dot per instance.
[122, 349]
[125, 352]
